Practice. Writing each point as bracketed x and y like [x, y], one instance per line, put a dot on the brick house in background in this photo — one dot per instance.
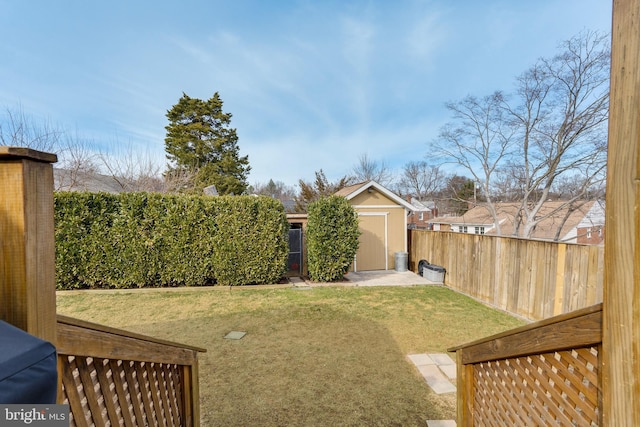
[584, 225]
[421, 214]
[590, 230]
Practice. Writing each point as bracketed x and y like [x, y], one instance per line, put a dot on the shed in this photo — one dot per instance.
[383, 224]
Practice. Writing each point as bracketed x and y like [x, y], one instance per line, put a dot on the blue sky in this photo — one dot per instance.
[311, 84]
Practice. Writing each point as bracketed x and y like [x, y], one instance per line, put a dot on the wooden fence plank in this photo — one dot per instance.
[72, 395]
[109, 396]
[145, 393]
[88, 386]
[560, 279]
[134, 388]
[119, 379]
[592, 275]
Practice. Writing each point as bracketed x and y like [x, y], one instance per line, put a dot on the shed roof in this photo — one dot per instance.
[352, 191]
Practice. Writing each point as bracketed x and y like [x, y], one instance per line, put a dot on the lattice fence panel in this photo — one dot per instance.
[550, 389]
[105, 392]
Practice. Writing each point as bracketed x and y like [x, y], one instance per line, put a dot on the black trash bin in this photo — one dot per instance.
[434, 273]
[421, 265]
[28, 368]
[431, 272]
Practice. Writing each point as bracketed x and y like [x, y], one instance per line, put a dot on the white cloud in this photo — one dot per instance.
[426, 35]
[297, 156]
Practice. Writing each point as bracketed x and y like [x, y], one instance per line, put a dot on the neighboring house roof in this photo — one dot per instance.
[588, 214]
[353, 190]
[67, 180]
[422, 206]
[289, 205]
[479, 215]
[595, 216]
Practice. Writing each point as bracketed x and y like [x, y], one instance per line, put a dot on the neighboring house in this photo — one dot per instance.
[289, 206]
[421, 213]
[476, 221]
[69, 180]
[584, 225]
[383, 224]
[590, 230]
[77, 180]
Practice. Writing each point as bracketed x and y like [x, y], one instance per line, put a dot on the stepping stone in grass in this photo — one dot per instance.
[235, 335]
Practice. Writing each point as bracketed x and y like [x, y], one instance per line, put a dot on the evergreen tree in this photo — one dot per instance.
[459, 194]
[201, 143]
[321, 187]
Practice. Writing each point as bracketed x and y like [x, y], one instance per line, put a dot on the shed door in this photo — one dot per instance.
[372, 252]
[294, 262]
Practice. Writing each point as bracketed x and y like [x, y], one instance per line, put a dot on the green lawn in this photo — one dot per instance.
[325, 356]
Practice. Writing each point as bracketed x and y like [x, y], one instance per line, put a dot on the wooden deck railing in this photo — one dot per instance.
[545, 373]
[113, 377]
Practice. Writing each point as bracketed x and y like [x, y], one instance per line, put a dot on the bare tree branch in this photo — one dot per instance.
[562, 117]
[368, 169]
[480, 139]
[19, 130]
[552, 127]
[133, 171]
[421, 180]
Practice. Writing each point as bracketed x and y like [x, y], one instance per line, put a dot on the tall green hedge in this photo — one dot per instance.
[146, 239]
[332, 238]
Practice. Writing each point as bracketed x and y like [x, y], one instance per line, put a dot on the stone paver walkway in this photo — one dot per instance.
[438, 370]
[441, 423]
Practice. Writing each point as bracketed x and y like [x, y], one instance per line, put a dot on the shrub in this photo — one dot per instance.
[332, 238]
[251, 243]
[81, 221]
[145, 239]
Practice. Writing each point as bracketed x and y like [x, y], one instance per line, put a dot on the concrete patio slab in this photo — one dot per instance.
[385, 278]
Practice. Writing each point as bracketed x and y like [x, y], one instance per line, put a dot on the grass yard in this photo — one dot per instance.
[325, 356]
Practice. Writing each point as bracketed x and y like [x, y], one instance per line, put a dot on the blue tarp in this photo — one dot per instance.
[28, 368]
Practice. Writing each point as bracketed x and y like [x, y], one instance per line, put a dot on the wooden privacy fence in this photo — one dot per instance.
[542, 374]
[113, 377]
[531, 278]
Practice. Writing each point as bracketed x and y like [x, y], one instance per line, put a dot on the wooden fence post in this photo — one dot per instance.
[561, 271]
[621, 299]
[27, 248]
